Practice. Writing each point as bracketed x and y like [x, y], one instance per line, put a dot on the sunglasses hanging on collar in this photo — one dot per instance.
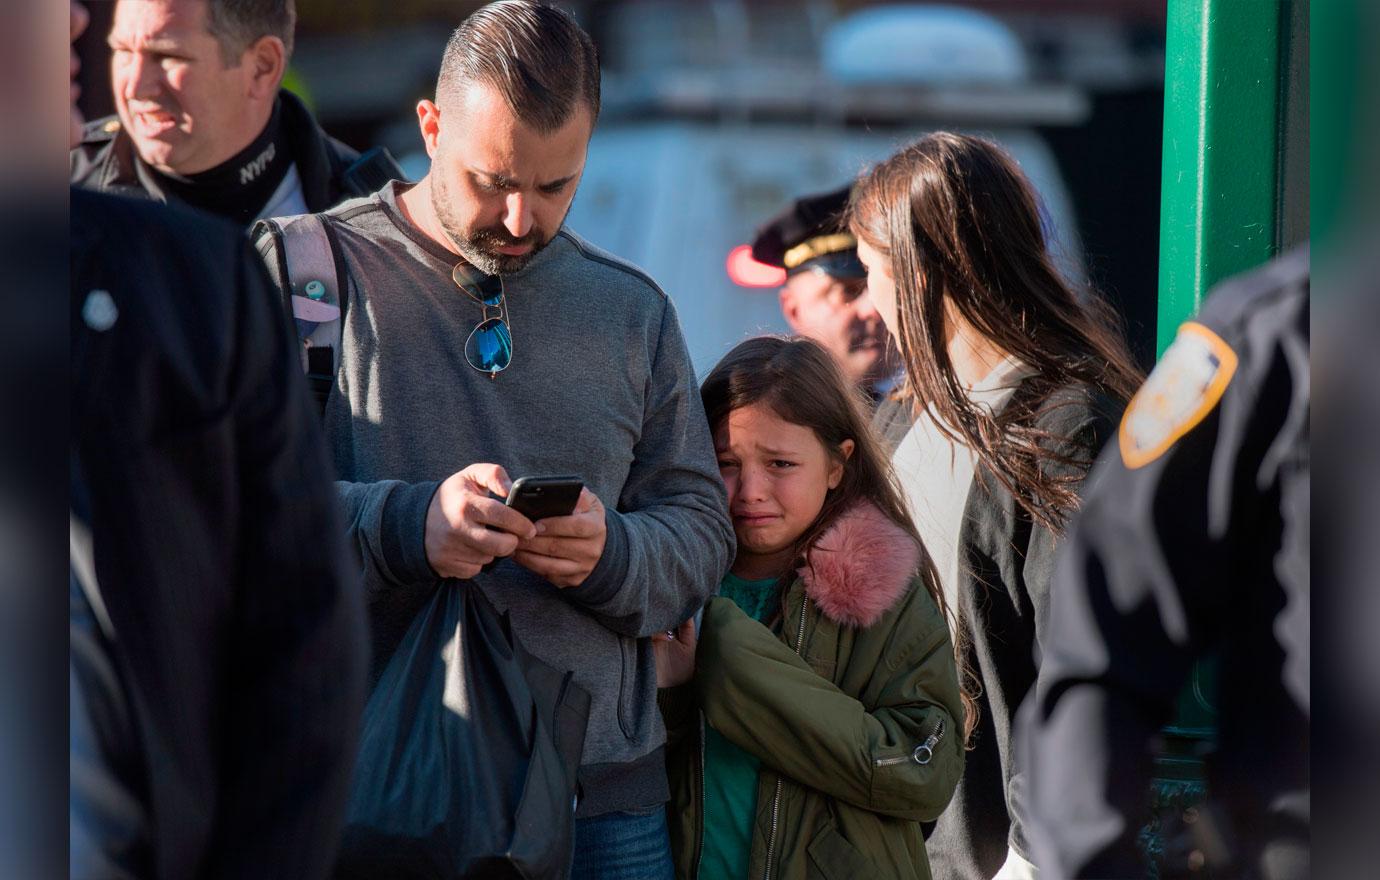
[489, 348]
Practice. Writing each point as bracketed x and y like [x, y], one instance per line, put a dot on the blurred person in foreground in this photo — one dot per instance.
[1344, 219]
[823, 294]
[1193, 542]
[217, 641]
[33, 375]
[1014, 382]
[201, 118]
[484, 341]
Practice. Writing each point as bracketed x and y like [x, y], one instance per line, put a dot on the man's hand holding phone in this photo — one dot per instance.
[467, 529]
[565, 549]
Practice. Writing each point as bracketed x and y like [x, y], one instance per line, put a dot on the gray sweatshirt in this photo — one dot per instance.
[600, 386]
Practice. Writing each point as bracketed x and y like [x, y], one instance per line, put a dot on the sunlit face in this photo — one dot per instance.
[186, 111]
[501, 189]
[777, 474]
[881, 286]
[838, 315]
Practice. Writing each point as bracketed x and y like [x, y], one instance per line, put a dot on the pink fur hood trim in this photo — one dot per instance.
[860, 567]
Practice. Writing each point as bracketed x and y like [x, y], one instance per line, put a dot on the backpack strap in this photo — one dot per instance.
[315, 291]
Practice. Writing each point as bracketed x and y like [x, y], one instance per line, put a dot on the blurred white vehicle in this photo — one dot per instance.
[677, 198]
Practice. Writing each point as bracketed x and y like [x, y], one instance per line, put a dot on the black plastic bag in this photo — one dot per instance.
[468, 756]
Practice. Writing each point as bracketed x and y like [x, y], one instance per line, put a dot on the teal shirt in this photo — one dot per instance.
[730, 774]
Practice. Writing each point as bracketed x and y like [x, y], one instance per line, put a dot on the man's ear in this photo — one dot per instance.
[266, 62]
[790, 307]
[429, 120]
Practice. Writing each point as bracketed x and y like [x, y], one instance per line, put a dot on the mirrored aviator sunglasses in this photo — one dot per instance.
[489, 348]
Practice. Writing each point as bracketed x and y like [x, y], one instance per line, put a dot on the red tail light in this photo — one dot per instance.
[744, 271]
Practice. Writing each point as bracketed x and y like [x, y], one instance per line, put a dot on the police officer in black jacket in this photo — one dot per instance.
[1193, 541]
[201, 119]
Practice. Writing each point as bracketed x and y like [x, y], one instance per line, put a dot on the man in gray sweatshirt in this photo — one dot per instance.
[579, 367]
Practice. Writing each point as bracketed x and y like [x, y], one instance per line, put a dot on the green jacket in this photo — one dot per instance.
[840, 706]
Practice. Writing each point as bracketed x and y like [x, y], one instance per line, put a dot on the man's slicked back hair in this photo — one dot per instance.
[237, 24]
[541, 61]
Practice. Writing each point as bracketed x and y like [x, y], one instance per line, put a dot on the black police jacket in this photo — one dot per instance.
[240, 634]
[1193, 541]
[105, 160]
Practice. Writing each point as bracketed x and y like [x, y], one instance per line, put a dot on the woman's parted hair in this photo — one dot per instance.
[957, 220]
[802, 384]
[535, 55]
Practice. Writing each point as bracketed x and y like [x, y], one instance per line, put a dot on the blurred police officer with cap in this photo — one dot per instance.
[202, 120]
[1193, 541]
[825, 282]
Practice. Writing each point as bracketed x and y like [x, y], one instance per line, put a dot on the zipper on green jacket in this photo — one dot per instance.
[776, 799]
[922, 754]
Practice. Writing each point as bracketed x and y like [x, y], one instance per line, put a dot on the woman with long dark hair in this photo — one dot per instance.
[1013, 382]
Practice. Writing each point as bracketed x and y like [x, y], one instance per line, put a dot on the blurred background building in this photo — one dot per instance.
[716, 114]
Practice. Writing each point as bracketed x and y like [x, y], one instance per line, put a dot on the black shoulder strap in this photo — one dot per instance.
[315, 291]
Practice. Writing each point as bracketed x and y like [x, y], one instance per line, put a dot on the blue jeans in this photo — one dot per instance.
[623, 846]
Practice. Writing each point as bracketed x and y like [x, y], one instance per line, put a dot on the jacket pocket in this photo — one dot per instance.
[627, 685]
[833, 858]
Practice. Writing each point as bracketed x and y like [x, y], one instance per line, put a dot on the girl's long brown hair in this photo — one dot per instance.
[800, 382]
[958, 221]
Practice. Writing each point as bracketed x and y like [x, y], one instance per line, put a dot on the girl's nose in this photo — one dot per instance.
[751, 484]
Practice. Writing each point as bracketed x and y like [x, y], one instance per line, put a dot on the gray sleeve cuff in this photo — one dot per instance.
[403, 532]
[608, 576]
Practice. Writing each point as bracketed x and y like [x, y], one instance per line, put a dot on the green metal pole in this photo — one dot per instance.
[1220, 198]
[1220, 185]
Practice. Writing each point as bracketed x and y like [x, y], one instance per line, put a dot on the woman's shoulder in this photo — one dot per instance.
[1078, 412]
[1071, 424]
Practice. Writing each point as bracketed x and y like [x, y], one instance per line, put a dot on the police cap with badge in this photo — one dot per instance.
[811, 235]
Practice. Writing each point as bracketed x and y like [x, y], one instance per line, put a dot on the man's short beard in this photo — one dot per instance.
[477, 250]
[476, 246]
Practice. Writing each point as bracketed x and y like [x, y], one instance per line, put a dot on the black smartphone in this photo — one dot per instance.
[539, 497]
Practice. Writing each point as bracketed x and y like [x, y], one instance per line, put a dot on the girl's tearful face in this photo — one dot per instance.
[777, 474]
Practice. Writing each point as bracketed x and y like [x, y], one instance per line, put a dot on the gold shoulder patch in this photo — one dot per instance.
[1183, 388]
[111, 127]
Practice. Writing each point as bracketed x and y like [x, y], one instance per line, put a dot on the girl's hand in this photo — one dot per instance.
[675, 655]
